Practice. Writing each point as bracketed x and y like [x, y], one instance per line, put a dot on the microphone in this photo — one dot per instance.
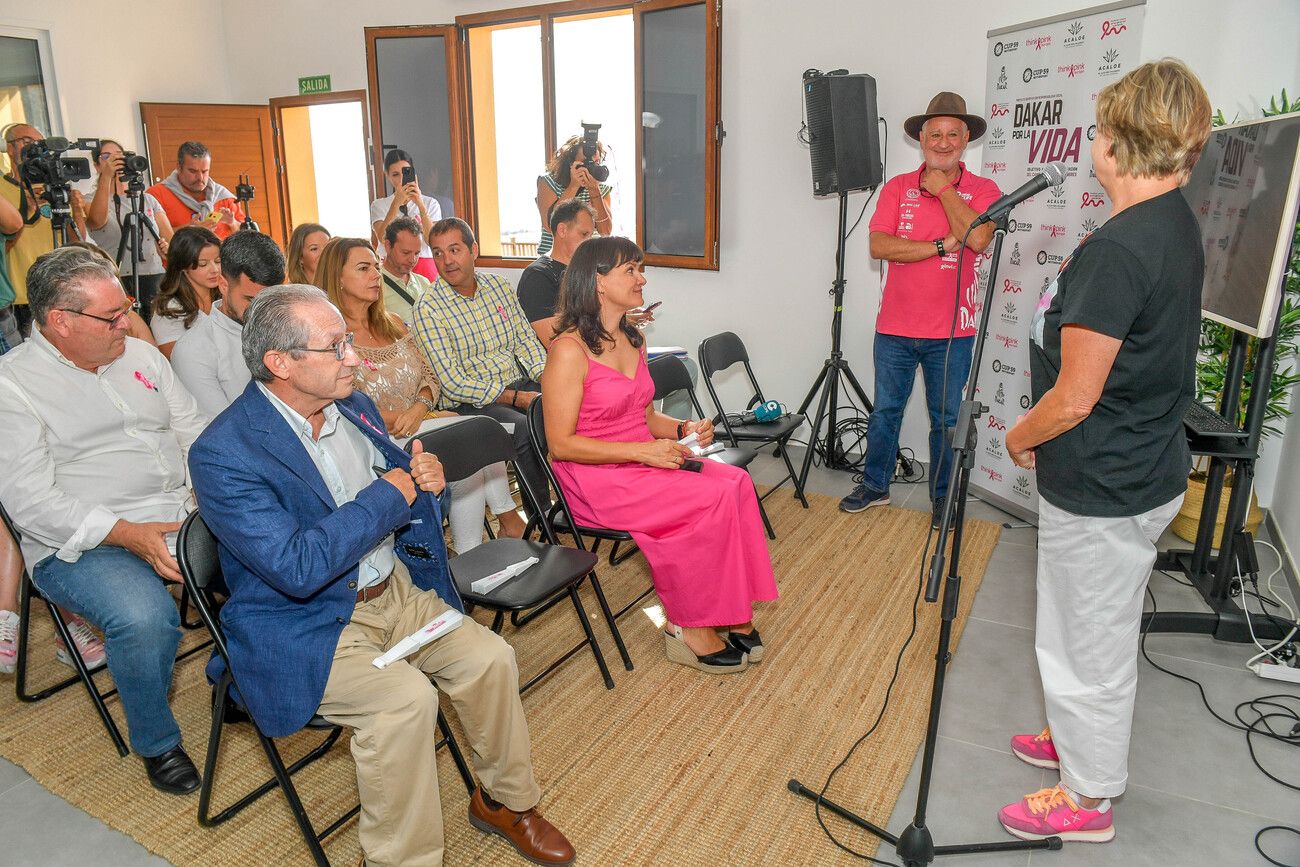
[1050, 176]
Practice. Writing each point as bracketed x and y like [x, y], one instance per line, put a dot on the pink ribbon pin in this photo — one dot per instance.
[144, 379]
[368, 364]
[371, 424]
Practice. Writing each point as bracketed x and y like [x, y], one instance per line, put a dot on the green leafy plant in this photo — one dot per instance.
[1216, 339]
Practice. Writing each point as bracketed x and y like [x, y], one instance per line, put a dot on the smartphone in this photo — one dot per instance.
[408, 175]
[651, 308]
[692, 466]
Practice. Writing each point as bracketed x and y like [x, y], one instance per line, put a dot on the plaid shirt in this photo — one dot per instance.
[477, 346]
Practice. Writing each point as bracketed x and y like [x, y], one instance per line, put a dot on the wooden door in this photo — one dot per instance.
[241, 141]
[296, 181]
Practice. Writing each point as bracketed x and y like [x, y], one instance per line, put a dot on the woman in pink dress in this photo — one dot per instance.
[620, 465]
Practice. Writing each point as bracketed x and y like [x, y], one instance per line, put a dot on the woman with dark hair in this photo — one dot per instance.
[397, 377]
[305, 246]
[621, 465]
[567, 178]
[190, 284]
[406, 201]
[107, 217]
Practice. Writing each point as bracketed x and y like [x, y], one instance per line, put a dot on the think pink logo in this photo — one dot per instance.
[144, 380]
[1008, 342]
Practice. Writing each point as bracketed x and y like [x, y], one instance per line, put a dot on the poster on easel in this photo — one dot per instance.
[1042, 85]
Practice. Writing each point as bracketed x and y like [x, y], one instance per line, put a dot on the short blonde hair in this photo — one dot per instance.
[1157, 118]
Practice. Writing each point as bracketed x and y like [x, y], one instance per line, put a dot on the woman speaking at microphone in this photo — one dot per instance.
[1112, 363]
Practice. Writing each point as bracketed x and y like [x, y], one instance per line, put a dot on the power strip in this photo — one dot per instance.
[1276, 671]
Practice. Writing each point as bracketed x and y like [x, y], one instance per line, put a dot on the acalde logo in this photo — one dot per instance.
[997, 139]
[1076, 36]
[1110, 64]
[1008, 314]
[1021, 486]
[1086, 228]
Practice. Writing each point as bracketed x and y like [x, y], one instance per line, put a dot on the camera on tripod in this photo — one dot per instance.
[590, 150]
[42, 162]
[244, 192]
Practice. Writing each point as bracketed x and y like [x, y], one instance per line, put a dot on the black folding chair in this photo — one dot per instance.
[669, 375]
[716, 354]
[26, 592]
[196, 550]
[465, 448]
[560, 517]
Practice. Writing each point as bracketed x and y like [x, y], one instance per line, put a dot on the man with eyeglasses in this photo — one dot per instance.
[331, 546]
[34, 234]
[97, 429]
[919, 225]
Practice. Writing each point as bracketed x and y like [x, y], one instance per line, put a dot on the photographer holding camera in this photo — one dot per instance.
[189, 194]
[575, 172]
[34, 236]
[407, 201]
[109, 220]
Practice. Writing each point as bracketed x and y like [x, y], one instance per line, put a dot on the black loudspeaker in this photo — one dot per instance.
[843, 133]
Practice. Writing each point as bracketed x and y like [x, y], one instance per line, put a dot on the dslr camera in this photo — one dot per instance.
[590, 136]
[42, 162]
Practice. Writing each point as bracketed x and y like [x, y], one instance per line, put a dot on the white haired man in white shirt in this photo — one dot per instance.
[99, 429]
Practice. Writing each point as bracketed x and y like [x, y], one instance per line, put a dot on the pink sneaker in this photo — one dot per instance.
[88, 644]
[1053, 813]
[1036, 750]
[8, 641]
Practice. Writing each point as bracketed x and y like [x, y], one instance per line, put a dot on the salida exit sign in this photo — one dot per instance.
[313, 84]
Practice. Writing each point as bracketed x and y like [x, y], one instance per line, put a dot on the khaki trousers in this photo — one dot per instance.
[394, 711]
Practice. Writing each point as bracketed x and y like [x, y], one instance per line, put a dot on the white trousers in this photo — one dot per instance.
[489, 485]
[1092, 573]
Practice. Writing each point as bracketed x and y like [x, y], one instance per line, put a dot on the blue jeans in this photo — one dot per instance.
[122, 595]
[896, 360]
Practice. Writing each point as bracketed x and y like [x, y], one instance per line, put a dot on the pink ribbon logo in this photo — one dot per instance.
[145, 380]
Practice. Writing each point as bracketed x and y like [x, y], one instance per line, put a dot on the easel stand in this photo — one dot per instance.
[1215, 577]
[828, 379]
[915, 846]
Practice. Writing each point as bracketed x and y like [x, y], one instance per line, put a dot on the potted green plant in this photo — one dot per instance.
[1212, 363]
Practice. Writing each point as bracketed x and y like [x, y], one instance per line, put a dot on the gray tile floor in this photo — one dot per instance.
[1194, 797]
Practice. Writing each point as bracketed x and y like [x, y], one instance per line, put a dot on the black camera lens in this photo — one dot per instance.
[133, 163]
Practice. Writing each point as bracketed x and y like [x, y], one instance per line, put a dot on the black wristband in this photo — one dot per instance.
[938, 245]
[680, 426]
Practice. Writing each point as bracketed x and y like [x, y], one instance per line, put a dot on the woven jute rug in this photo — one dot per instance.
[670, 767]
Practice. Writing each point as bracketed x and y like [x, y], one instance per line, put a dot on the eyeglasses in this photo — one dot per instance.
[339, 349]
[113, 322]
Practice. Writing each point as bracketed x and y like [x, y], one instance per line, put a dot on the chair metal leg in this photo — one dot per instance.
[591, 638]
[83, 674]
[295, 804]
[456, 755]
[616, 559]
[794, 477]
[609, 619]
[498, 621]
[767, 523]
[520, 618]
[185, 611]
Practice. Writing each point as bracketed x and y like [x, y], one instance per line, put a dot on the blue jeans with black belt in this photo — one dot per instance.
[896, 361]
[122, 595]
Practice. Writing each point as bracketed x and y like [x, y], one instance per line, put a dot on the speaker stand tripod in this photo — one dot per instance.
[916, 844]
[834, 367]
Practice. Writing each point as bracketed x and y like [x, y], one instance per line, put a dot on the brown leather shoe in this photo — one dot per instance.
[532, 836]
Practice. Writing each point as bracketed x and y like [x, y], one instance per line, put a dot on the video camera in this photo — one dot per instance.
[244, 193]
[42, 162]
[590, 150]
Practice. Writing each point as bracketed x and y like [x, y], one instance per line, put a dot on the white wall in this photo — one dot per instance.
[110, 58]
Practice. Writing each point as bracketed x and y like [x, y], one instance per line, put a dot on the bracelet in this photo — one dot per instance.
[514, 398]
[938, 245]
[681, 425]
[428, 404]
[944, 190]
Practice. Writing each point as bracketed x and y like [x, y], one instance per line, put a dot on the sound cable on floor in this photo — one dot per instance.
[884, 706]
[1274, 717]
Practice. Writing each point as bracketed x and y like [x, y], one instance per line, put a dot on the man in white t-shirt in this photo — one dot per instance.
[407, 201]
[208, 359]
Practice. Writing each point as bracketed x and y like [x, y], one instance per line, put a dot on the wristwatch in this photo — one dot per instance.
[938, 245]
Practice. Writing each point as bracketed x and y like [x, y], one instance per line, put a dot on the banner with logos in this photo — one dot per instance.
[1043, 80]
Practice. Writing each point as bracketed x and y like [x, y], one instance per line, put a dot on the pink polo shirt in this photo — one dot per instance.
[919, 296]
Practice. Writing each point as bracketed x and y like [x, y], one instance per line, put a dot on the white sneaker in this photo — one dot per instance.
[8, 641]
[88, 644]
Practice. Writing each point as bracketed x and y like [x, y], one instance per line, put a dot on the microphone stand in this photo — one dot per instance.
[916, 844]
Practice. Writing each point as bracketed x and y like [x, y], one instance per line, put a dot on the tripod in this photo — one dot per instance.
[132, 237]
[916, 845]
[828, 379]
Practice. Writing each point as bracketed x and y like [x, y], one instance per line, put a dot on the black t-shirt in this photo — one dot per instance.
[539, 288]
[1137, 279]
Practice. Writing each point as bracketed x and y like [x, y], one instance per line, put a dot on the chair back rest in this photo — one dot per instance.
[720, 351]
[200, 564]
[468, 445]
[537, 436]
[669, 375]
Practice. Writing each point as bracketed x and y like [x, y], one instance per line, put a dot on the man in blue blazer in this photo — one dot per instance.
[329, 564]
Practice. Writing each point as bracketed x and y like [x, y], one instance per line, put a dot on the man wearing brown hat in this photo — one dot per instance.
[920, 220]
